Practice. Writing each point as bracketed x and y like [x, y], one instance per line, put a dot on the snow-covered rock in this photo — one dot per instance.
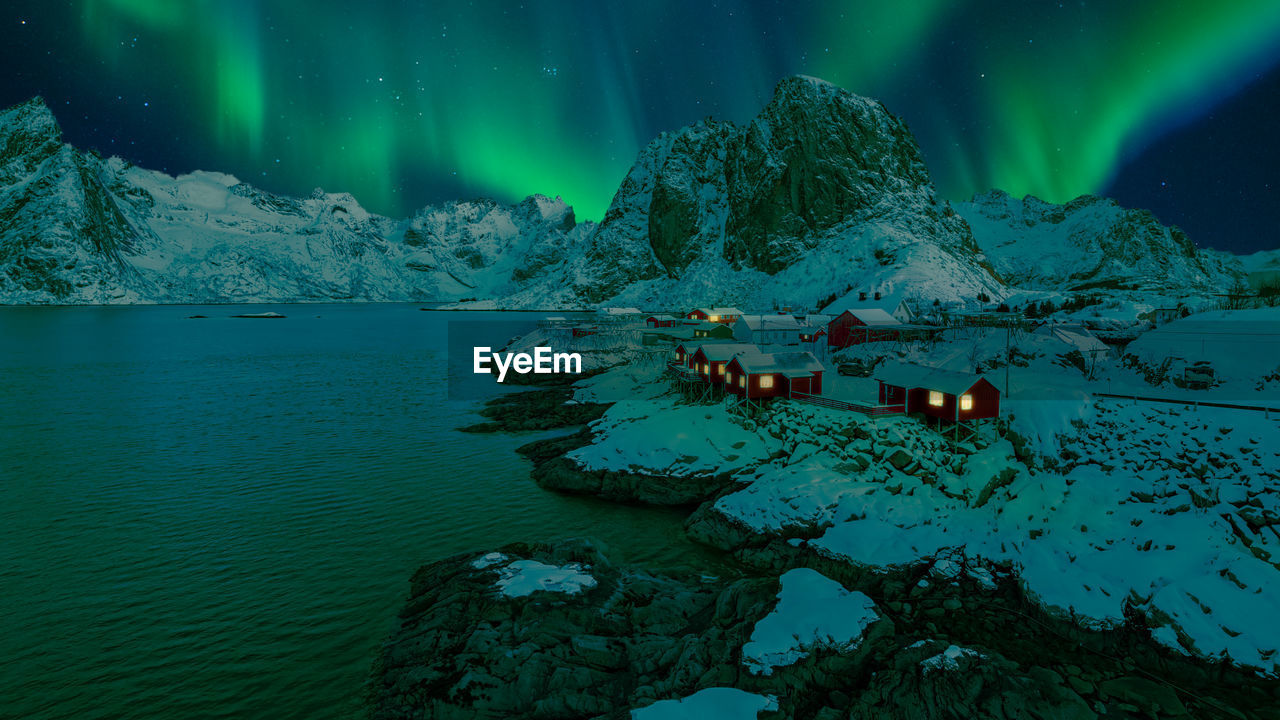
[1089, 243]
[813, 612]
[720, 703]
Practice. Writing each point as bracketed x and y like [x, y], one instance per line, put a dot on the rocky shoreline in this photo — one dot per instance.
[951, 638]
[941, 646]
[544, 409]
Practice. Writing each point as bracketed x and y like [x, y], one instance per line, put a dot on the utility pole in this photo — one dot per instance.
[1008, 357]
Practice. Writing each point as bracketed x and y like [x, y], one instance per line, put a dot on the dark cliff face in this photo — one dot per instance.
[761, 196]
[62, 226]
[814, 158]
[28, 135]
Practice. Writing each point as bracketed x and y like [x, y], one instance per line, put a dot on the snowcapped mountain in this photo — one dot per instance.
[822, 191]
[1087, 244]
[75, 228]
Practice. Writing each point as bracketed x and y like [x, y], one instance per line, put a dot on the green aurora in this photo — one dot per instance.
[506, 100]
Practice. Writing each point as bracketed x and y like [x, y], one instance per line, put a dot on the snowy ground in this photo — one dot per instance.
[1094, 505]
[1172, 513]
[662, 437]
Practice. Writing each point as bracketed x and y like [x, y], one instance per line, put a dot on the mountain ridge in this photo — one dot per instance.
[822, 191]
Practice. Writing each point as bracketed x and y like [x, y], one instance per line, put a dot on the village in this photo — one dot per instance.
[1107, 466]
[880, 355]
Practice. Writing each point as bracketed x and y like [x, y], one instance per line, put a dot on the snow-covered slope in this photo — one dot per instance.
[1089, 243]
[75, 228]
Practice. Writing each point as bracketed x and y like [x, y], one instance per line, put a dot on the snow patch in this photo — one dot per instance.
[812, 612]
[719, 703]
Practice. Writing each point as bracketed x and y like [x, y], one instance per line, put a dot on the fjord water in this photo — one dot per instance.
[219, 517]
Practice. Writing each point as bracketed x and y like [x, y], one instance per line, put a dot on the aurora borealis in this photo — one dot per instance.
[403, 104]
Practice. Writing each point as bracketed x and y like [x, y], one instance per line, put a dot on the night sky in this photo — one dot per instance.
[1163, 104]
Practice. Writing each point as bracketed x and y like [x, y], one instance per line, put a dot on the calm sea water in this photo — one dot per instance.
[219, 517]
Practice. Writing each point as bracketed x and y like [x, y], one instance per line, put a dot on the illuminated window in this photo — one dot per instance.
[728, 377]
[935, 398]
[766, 382]
[742, 381]
[966, 402]
[714, 318]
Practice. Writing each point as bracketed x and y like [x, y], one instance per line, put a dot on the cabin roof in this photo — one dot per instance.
[1074, 334]
[723, 352]
[769, 322]
[790, 364]
[907, 375]
[719, 310]
[871, 316]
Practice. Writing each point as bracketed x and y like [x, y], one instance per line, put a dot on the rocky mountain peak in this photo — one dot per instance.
[813, 170]
[815, 157]
[28, 134]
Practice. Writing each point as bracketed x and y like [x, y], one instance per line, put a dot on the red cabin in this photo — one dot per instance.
[684, 353]
[723, 315]
[942, 394]
[660, 321]
[857, 326]
[761, 375]
[710, 359]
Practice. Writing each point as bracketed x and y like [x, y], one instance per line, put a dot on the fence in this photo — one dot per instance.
[1192, 402]
[864, 408]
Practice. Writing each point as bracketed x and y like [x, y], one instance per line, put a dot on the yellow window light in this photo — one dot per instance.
[966, 402]
[766, 382]
[935, 398]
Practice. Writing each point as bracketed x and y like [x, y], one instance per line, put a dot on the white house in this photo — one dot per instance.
[767, 329]
[1076, 336]
[622, 314]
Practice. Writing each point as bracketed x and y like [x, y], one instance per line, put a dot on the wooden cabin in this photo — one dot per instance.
[767, 329]
[661, 321]
[713, 330]
[725, 315]
[942, 394]
[710, 359]
[1164, 316]
[683, 352]
[769, 375]
[857, 326]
